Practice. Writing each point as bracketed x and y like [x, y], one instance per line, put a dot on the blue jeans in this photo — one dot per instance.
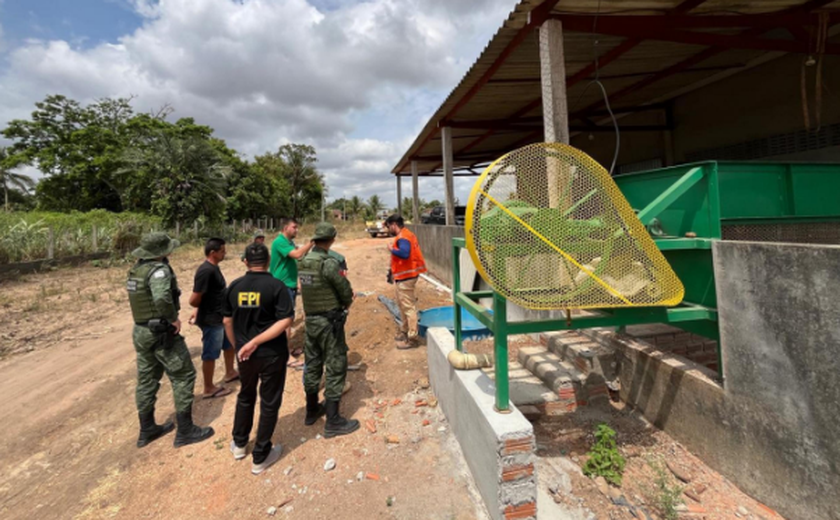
[213, 342]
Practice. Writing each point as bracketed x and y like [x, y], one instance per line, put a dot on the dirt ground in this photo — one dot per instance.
[67, 378]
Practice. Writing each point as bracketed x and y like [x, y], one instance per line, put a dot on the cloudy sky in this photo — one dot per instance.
[356, 79]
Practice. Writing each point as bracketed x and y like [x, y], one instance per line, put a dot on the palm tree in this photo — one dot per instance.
[355, 206]
[10, 179]
[307, 185]
[375, 205]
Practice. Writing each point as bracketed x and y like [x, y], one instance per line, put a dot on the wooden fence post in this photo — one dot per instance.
[177, 229]
[195, 225]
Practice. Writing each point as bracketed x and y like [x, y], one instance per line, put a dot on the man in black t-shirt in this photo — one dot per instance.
[208, 293]
[258, 311]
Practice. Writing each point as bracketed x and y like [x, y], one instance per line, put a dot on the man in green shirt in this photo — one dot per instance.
[284, 255]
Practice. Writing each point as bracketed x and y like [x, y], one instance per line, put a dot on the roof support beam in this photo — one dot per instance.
[585, 23]
[709, 39]
[449, 183]
[415, 193]
[501, 124]
[399, 195]
[610, 56]
[694, 60]
[553, 73]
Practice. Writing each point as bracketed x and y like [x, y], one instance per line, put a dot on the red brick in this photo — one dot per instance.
[566, 392]
[525, 510]
[523, 445]
[517, 472]
[695, 508]
[571, 407]
[598, 390]
[543, 340]
[665, 339]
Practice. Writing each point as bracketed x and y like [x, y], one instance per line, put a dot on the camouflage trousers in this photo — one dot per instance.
[153, 361]
[325, 350]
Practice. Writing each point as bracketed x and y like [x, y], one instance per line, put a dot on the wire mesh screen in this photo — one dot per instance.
[797, 233]
[549, 229]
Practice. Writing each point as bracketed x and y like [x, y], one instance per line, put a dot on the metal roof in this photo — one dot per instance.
[648, 51]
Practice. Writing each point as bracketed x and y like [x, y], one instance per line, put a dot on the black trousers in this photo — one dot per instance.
[269, 374]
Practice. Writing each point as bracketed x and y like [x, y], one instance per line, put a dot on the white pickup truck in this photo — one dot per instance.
[376, 228]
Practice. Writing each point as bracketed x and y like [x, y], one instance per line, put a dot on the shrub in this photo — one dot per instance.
[604, 458]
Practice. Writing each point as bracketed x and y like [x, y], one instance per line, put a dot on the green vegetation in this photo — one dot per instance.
[604, 459]
[666, 494]
[103, 156]
[24, 236]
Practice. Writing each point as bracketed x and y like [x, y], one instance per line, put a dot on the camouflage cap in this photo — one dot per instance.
[324, 231]
[259, 234]
[155, 245]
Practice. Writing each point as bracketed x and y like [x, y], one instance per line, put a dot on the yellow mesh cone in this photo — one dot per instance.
[548, 228]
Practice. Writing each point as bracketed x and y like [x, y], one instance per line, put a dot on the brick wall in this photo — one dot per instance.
[696, 348]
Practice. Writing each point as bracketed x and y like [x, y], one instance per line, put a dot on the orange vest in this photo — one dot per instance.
[414, 265]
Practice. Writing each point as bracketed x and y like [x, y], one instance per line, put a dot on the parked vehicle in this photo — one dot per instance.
[438, 216]
[376, 228]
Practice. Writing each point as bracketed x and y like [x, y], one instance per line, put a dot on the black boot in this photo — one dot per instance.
[314, 409]
[188, 433]
[149, 430]
[336, 424]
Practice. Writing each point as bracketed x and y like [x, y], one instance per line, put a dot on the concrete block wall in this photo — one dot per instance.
[499, 448]
[436, 244]
[771, 427]
[779, 312]
[676, 341]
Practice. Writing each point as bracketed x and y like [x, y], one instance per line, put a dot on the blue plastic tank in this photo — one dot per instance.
[471, 328]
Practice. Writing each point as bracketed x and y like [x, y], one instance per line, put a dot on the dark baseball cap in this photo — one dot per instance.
[256, 254]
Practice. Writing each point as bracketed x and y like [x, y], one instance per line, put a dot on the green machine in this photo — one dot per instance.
[684, 209]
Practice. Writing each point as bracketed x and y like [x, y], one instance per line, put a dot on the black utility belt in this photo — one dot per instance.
[407, 279]
[157, 325]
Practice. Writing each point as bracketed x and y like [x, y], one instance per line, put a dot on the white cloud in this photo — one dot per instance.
[266, 72]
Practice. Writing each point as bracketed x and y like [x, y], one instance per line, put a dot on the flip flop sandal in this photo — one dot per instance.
[232, 379]
[221, 392]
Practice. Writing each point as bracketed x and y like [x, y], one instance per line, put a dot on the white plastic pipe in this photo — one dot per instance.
[436, 283]
[462, 361]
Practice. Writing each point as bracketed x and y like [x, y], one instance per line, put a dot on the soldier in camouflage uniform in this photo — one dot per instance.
[154, 296]
[326, 297]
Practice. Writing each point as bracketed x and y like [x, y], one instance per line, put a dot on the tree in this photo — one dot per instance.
[407, 207]
[78, 148]
[184, 171]
[10, 179]
[355, 206]
[374, 205]
[306, 184]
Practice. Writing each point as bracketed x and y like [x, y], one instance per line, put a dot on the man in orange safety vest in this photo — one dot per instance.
[407, 265]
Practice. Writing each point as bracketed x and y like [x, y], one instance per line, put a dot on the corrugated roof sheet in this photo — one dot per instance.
[514, 89]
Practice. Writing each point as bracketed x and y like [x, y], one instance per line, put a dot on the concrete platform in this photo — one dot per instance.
[499, 448]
